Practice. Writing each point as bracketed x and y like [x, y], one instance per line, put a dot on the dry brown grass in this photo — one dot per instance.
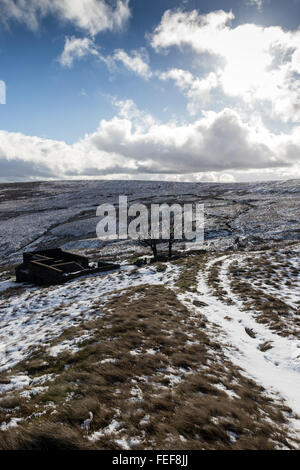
[188, 275]
[45, 436]
[150, 367]
[247, 282]
[214, 281]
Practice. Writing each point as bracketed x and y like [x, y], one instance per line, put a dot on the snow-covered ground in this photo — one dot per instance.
[36, 316]
[277, 369]
[34, 215]
[244, 224]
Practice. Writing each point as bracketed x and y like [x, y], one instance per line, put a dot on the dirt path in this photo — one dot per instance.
[278, 369]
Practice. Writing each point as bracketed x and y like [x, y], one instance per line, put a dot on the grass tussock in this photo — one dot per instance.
[257, 282]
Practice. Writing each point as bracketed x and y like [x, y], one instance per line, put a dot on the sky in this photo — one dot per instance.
[191, 90]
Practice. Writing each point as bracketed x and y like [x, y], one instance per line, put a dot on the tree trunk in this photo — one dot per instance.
[154, 250]
[170, 249]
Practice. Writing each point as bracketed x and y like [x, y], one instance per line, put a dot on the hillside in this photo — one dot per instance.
[199, 352]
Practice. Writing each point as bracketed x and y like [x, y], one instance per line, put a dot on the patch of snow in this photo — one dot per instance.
[33, 391]
[4, 285]
[42, 379]
[109, 360]
[13, 423]
[112, 428]
[38, 315]
[145, 420]
[151, 351]
[17, 382]
[232, 436]
[277, 370]
[127, 443]
[135, 352]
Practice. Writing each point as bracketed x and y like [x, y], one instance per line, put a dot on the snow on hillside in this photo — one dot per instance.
[51, 214]
[35, 316]
[244, 292]
[278, 368]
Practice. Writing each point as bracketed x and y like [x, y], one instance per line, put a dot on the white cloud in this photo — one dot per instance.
[134, 143]
[128, 110]
[178, 28]
[2, 92]
[218, 141]
[197, 90]
[253, 63]
[76, 48]
[258, 3]
[92, 16]
[135, 62]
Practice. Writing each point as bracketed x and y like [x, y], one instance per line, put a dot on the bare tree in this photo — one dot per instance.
[170, 246]
[146, 239]
[150, 243]
[171, 226]
[159, 225]
[166, 225]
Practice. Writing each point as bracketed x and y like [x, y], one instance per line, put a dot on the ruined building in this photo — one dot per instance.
[55, 266]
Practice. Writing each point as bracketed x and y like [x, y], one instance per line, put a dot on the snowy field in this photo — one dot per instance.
[33, 215]
[199, 352]
[277, 368]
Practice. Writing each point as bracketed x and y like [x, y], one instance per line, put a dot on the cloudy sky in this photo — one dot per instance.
[194, 90]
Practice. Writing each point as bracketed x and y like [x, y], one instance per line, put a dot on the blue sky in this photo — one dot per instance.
[193, 90]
